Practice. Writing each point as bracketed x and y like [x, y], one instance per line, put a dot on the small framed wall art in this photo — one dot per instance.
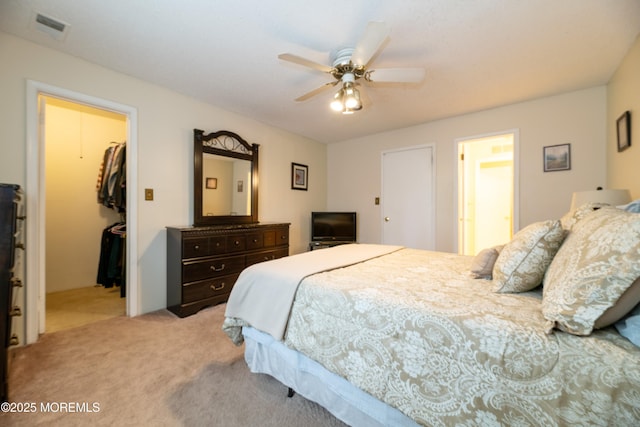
[557, 157]
[299, 176]
[623, 126]
[212, 183]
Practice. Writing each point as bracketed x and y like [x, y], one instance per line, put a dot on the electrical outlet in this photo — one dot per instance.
[148, 193]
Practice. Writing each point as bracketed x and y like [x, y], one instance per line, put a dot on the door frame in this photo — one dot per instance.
[516, 180]
[432, 226]
[35, 289]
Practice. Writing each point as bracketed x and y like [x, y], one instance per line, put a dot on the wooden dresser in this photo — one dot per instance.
[10, 196]
[203, 263]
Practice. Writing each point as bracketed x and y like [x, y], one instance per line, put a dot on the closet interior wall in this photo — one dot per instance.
[76, 137]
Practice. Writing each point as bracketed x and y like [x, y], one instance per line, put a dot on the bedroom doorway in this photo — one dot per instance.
[408, 197]
[486, 191]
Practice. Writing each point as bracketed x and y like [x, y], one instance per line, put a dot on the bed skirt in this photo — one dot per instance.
[308, 378]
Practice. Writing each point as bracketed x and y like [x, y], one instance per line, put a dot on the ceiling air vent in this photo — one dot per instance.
[54, 27]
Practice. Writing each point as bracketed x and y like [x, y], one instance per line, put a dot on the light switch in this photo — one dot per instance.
[377, 201]
[148, 193]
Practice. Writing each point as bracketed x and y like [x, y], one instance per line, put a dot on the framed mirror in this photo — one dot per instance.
[225, 179]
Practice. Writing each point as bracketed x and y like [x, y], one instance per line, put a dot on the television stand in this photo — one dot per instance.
[323, 245]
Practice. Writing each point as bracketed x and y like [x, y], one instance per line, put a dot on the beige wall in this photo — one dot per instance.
[76, 139]
[577, 118]
[624, 95]
[343, 176]
[165, 133]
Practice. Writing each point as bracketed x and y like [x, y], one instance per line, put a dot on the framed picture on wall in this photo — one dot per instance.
[557, 157]
[212, 183]
[299, 176]
[623, 126]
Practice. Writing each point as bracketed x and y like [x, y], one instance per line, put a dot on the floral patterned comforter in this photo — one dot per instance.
[413, 329]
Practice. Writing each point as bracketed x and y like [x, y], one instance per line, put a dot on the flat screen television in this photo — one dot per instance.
[333, 226]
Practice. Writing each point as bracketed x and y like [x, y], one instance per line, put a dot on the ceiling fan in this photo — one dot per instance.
[351, 64]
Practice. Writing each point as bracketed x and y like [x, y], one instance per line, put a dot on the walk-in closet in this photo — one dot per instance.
[85, 205]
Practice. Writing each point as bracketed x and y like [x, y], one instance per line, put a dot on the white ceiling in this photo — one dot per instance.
[478, 54]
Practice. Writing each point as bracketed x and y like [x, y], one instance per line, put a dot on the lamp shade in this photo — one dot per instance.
[610, 197]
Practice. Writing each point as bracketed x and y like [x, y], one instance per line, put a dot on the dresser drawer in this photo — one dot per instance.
[210, 268]
[255, 240]
[194, 247]
[236, 243]
[197, 291]
[282, 236]
[217, 245]
[266, 256]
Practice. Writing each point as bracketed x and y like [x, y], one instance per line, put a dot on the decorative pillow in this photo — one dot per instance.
[523, 261]
[597, 263]
[482, 265]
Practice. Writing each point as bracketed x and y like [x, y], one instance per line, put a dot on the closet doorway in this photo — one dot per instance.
[85, 231]
[36, 201]
[487, 191]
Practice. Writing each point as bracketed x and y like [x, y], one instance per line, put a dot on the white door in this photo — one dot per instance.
[408, 201]
[494, 209]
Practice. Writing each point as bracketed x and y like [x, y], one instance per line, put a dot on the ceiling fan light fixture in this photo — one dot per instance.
[352, 63]
[346, 100]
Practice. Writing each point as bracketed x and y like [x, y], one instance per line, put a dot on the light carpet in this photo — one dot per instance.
[150, 370]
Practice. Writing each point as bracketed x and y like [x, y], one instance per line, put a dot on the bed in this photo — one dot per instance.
[386, 335]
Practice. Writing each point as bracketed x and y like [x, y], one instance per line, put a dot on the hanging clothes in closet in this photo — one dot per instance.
[112, 266]
[112, 179]
[111, 189]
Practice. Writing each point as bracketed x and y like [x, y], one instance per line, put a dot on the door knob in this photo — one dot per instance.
[387, 219]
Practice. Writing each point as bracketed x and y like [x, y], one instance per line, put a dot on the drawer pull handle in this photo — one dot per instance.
[196, 247]
[237, 242]
[217, 288]
[255, 240]
[213, 268]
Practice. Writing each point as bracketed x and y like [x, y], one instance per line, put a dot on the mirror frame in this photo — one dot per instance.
[227, 144]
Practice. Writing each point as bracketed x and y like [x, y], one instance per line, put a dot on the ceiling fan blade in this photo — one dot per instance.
[372, 39]
[306, 62]
[317, 91]
[396, 75]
